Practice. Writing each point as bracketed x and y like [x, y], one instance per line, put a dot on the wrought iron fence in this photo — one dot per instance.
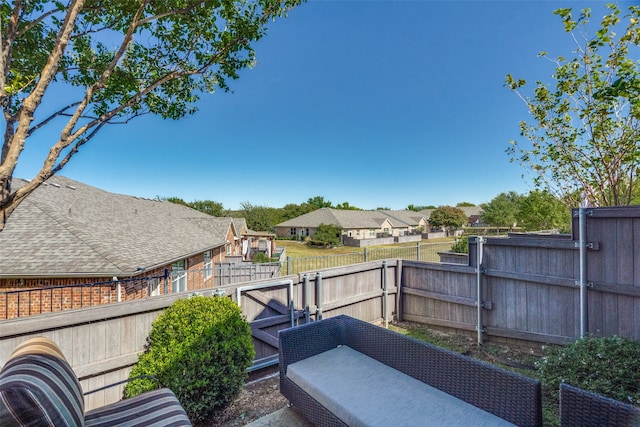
[420, 252]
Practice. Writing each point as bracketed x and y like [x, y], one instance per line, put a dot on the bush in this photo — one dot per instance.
[261, 257]
[461, 246]
[200, 348]
[319, 243]
[609, 366]
[327, 235]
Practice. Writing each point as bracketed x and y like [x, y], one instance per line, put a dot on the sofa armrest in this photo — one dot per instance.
[583, 408]
[108, 386]
[155, 408]
[37, 383]
[301, 342]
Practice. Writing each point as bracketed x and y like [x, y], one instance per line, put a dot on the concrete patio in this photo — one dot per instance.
[285, 417]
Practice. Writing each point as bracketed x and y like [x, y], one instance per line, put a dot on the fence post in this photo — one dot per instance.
[385, 294]
[288, 264]
[582, 280]
[479, 269]
[365, 255]
[305, 289]
[417, 251]
[399, 285]
[319, 296]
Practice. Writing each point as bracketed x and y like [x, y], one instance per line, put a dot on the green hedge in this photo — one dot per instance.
[200, 348]
[609, 366]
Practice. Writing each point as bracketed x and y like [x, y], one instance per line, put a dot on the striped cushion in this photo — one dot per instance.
[151, 409]
[39, 388]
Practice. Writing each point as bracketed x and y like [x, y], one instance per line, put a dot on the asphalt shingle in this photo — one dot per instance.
[68, 228]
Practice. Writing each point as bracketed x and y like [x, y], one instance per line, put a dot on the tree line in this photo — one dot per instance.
[537, 210]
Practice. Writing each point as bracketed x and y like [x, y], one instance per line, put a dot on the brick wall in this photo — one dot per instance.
[46, 295]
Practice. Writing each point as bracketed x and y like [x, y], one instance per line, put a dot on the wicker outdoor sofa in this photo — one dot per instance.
[343, 371]
[581, 408]
[39, 388]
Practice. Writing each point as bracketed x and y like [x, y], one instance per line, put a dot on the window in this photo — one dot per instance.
[179, 276]
[154, 287]
[208, 272]
[227, 248]
[293, 232]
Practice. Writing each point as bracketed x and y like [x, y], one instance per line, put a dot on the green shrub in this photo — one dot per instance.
[461, 246]
[609, 366]
[327, 235]
[200, 348]
[318, 243]
[261, 257]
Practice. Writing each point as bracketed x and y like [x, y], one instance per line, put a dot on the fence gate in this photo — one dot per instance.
[269, 307]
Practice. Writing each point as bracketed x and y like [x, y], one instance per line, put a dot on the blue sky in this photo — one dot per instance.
[377, 103]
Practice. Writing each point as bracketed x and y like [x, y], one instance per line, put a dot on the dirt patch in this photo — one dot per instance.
[259, 397]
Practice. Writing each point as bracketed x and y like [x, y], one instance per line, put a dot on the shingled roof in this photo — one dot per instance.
[344, 218]
[405, 217]
[69, 229]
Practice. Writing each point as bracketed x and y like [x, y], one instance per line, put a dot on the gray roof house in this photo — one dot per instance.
[412, 220]
[356, 225]
[67, 232]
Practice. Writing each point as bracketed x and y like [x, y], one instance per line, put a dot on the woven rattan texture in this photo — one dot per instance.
[581, 408]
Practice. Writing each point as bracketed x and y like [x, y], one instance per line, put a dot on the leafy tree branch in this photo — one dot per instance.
[584, 139]
[120, 60]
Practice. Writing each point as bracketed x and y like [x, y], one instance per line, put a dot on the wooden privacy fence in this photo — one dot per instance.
[529, 286]
[543, 288]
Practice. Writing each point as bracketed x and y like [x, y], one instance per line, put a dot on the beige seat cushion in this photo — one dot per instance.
[362, 391]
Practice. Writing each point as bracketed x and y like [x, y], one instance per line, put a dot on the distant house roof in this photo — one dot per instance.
[344, 218]
[69, 229]
[469, 211]
[240, 225]
[407, 217]
[242, 230]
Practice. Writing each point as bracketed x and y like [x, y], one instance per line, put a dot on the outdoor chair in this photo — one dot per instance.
[39, 388]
